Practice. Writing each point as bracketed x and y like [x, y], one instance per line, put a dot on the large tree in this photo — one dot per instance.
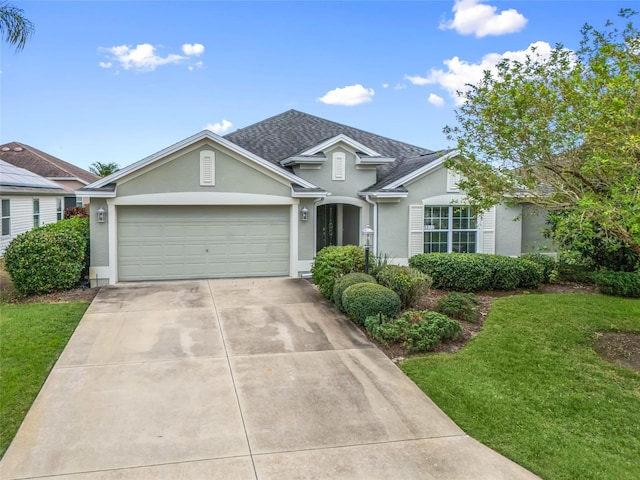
[14, 27]
[103, 169]
[562, 132]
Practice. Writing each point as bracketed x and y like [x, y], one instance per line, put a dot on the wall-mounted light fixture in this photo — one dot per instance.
[304, 214]
[101, 215]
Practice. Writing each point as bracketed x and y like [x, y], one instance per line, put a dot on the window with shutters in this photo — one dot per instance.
[6, 216]
[451, 228]
[207, 168]
[339, 166]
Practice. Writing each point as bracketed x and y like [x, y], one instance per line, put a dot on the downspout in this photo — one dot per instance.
[375, 223]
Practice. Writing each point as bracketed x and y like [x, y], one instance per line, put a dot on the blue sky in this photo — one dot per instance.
[117, 81]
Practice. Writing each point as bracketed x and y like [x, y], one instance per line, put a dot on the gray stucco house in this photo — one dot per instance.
[261, 201]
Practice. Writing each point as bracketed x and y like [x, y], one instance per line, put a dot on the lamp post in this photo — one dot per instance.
[367, 232]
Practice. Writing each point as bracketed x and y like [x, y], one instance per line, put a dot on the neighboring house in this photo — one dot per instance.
[264, 199]
[68, 176]
[28, 201]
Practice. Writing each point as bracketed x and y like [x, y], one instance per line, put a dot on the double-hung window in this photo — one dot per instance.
[59, 208]
[6, 216]
[36, 212]
[452, 228]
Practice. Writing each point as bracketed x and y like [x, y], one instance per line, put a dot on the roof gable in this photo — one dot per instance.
[43, 164]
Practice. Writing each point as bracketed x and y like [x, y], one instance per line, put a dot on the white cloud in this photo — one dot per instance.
[477, 18]
[143, 56]
[385, 85]
[195, 65]
[459, 73]
[220, 127]
[195, 49]
[349, 96]
[436, 100]
[400, 86]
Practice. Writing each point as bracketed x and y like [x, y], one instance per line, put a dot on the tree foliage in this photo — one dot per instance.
[103, 169]
[562, 132]
[14, 27]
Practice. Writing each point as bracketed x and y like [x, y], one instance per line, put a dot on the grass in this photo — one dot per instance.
[32, 336]
[531, 387]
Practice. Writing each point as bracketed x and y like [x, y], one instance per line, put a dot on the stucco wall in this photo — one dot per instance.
[533, 223]
[355, 179]
[182, 174]
[99, 234]
[508, 230]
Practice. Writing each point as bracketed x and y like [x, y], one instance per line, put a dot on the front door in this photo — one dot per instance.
[327, 226]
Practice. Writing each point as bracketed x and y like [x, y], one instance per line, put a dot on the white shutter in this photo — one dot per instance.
[452, 181]
[339, 166]
[416, 230]
[207, 168]
[487, 232]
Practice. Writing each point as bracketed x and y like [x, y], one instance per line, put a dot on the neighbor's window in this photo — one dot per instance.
[59, 208]
[450, 229]
[6, 216]
[36, 212]
[79, 202]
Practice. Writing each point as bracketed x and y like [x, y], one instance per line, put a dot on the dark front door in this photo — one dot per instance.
[327, 226]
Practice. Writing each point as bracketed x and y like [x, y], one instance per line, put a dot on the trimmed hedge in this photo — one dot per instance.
[546, 262]
[332, 263]
[45, 260]
[462, 306]
[418, 331]
[410, 284]
[473, 272]
[619, 284]
[365, 299]
[345, 282]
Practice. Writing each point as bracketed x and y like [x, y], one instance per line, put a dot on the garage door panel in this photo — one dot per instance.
[202, 242]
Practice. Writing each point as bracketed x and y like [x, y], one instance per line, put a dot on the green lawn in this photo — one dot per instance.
[32, 336]
[531, 387]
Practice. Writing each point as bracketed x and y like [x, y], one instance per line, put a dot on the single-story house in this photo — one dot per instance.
[261, 201]
[28, 201]
[68, 176]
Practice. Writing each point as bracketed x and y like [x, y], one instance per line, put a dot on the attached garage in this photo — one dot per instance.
[202, 241]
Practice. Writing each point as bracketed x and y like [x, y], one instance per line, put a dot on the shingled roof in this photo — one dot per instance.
[293, 132]
[43, 164]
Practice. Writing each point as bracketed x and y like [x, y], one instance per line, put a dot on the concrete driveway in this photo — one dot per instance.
[234, 379]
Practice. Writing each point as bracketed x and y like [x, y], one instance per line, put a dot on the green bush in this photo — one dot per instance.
[345, 282]
[332, 263]
[45, 260]
[546, 262]
[410, 284]
[473, 272]
[619, 284]
[462, 306]
[572, 267]
[364, 299]
[418, 331]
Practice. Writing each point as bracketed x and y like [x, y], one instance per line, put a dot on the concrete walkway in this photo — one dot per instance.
[234, 379]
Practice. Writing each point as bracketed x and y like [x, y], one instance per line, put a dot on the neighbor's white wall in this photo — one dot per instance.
[22, 216]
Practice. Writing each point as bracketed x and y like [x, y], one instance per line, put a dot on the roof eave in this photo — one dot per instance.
[422, 170]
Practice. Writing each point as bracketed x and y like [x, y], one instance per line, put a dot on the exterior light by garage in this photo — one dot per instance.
[367, 233]
[101, 215]
[304, 214]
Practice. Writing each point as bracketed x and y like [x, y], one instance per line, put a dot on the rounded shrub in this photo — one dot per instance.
[546, 262]
[332, 263]
[619, 284]
[365, 299]
[462, 306]
[345, 282]
[77, 224]
[43, 260]
[409, 283]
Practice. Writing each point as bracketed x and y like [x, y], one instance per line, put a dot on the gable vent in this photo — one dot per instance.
[339, 166]
[207, 168]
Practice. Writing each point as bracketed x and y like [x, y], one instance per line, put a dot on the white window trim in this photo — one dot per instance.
[207, 168]
[36, 215]
[59, 208]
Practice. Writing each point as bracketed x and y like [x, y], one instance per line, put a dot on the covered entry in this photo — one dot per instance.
[184, 242]
[337, 224]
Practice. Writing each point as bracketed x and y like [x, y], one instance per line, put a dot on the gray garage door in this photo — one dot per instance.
[163, 243]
